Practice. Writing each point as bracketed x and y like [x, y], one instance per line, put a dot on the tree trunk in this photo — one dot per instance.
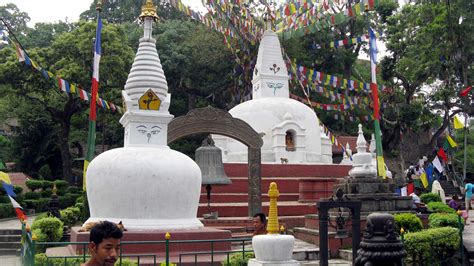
[65, 152]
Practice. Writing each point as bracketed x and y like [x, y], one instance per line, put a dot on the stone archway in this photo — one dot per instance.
[216, 121]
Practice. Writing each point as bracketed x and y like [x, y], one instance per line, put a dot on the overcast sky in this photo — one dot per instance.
[55, 10]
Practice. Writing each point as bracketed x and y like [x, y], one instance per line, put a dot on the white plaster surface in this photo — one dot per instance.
[146, 188]
[271, 113]
[273, 248]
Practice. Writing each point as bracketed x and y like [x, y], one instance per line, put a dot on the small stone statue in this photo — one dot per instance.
[381, 244]
[208, 141]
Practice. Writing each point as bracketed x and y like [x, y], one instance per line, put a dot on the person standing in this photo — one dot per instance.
[468, 195]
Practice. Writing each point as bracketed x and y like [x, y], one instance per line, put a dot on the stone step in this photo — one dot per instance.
[286, 208]
[240, 185]
[10, 232]
[345, 254]
[10, 245]
[334, 262]
[312, 236]
[10, 238]
[243, 197]
[9, 252]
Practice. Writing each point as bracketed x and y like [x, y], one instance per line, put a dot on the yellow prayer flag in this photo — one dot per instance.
[451, 141]
[424, 179]
[5, 178]
[72, 88]
[86, 164]
[457, 123]
[381, 167]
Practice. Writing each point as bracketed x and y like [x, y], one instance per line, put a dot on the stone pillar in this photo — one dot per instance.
[255, 184]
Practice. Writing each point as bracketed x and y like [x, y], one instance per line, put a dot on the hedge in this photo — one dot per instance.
[238, 259]
[48, 229]
[6, 210]
[443, 220]
[39, 205]
[32, 195]
[408, 221]
[42, 260]
[440, 207]
[430, 197]
[432, 245]
[34, 184]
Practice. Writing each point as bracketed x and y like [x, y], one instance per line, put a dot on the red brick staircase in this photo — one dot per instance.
[299, 185]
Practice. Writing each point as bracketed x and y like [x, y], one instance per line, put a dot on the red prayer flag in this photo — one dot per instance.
[442, 154]
[19, 213]
[465, 92]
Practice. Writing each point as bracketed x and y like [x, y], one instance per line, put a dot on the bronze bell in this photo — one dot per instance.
[209, 159]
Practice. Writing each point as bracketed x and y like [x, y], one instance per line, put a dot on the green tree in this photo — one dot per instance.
[69, 56]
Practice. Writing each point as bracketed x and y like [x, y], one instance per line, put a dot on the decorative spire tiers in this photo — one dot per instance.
[145, 184]
[273, 248]
[362, 160]
[290, 130]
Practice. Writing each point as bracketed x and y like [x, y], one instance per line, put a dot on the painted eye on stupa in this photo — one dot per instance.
[142, 131]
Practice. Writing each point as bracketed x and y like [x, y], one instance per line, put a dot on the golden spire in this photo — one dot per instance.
[272, 226]
[98, 6]
[148, 10]
[55, 189]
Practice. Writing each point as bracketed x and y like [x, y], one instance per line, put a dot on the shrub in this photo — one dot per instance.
[17, 189]
[48, 229]
[6, 210]
[39, 205]
[70, 216]
[61, 184]
[408, 221]
[34, 184]
[238, 259]
[440, 207]
[45, 172]
[67, 200]
[46, 184]
[430, 197]
[4, 199]
[32, 195]
[42, 260]
[443, 220]
[432, 245]
[46, 193]
[73, 190]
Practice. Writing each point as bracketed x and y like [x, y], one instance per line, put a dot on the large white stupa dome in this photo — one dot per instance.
[290, 130]
[145, 184]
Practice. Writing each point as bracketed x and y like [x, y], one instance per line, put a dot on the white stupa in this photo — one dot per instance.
[145, 184]
[290, 130]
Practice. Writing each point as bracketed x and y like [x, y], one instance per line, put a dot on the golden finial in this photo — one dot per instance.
[148, 10]
[459, 212]
[402, 231]
[27, 228]
[33, 237]
[55, 189]
[167, 236]
[98, 6]
[272, 226]
[282, 229]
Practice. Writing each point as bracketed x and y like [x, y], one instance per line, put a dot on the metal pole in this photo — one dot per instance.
[167, 242]
[466, 132]
[461, 229]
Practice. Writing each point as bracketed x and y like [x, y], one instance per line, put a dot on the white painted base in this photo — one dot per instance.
[152, 224]
[255, 262]
[273, 248]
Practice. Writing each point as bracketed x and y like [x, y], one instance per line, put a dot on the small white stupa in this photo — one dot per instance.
[145, 184]
[346, 156]
[362, 165]
[273, 248]
[290, 130]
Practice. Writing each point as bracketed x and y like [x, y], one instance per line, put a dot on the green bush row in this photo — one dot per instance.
[431, 245]
[408, 221]
[16, 189]
[239, 259]
[443, 220]
[42, 260]
[440, 207]
[33, 184]
[6, 210]
[430, 197]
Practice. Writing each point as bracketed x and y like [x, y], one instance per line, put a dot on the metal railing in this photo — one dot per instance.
[30, 246]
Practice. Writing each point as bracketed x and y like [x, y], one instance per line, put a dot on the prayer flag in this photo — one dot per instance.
[451, 142]
[442, 154]
[424, 180]
[437, 164]
[5, 178]
[9, 189]
[18, 209]
[457, 123]
[465, 92]
[93, 102]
